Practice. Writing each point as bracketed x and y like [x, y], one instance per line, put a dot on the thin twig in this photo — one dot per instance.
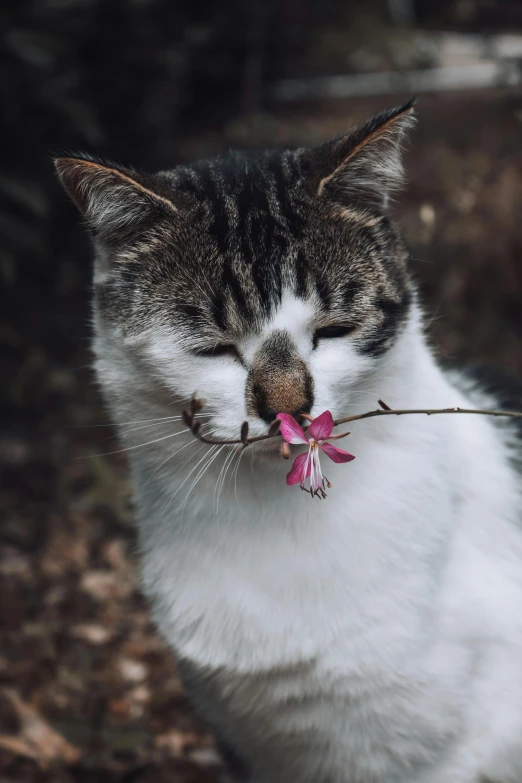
[426, 411]
[189, 417]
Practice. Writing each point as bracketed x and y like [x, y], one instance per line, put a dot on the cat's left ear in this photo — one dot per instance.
[117, 203]
[365, 163]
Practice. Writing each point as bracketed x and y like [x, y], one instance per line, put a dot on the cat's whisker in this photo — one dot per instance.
[188, 476]
[171, 456]
[146, 426]
[237, 452]
[213, 453]
[173, 420]
[221, 479]
[230, 468]
[128, 423]
[218, 487]
[138, 446]
[159, 423]
[241, 452]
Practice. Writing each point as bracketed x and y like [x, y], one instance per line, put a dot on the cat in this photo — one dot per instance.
[372, 637]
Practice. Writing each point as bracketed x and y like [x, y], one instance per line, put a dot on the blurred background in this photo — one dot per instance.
[88, 691]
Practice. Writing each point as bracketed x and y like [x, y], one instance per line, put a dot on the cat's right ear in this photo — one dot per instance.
[365, 164]
[117, 203]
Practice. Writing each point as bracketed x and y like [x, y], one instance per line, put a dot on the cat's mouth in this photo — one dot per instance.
[261, 442]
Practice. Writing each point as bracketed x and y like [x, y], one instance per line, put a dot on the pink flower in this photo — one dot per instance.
[315, 437]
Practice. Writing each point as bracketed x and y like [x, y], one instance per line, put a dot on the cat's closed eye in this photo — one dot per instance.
[329, 332]
[223, 349]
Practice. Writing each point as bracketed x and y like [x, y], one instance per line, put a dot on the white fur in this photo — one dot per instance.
[373, 637]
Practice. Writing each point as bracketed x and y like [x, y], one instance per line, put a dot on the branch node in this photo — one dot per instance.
[274, 427]
[195, 405]
[244, 433]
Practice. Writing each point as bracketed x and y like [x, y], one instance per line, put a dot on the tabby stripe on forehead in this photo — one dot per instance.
[290, 218]
[268, 278]
[260, 241]
[192, 183]
[255, 232]
[220, 226]
[301, 274]
[220, 229]
[231, 282]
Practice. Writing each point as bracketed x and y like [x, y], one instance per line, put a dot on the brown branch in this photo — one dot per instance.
[426, 411]
[189, 417]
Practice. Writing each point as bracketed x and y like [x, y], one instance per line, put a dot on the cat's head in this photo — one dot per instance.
[261, 282]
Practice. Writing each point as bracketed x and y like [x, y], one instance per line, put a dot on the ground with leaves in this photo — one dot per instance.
[88, 690]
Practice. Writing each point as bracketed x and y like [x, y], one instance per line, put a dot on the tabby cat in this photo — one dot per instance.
[373, 637]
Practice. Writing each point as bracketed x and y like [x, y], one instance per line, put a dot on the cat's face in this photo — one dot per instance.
[261, 283]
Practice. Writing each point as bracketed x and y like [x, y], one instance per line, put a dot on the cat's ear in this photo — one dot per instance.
[366, 162]
[116, 203]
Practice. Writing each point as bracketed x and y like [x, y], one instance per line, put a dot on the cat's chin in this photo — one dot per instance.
[256, 429]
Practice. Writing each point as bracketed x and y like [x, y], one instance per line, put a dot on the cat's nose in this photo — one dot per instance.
[269, 414]
[279, 380]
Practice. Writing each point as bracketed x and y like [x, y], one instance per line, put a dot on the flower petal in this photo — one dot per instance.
[290, 429]
[300, 470]
[335, 454]
[322, 426]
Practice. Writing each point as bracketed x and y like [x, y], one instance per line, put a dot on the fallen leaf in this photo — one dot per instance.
[36, 740]
[131, 670]
[90, 632]
[103, 585]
